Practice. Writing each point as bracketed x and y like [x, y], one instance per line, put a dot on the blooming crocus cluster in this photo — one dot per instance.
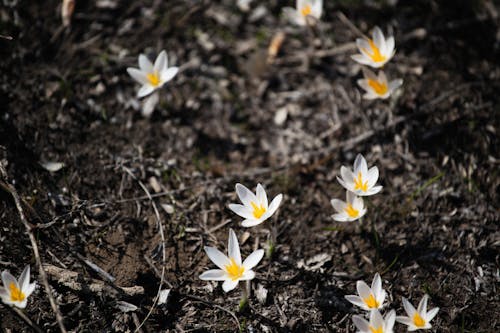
[372, 299]
[16, 292]
[358, 182]
[376, 52]
[305, 12]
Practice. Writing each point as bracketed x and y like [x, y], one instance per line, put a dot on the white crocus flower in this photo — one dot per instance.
[305, 9]
[378, 86]
[16, 292]
[377, 324]
[369, 298]
[350, 210]
[255, 208]
[152, 77]
[420, 318]
[232, 270]
[375, 52]
[362, 181]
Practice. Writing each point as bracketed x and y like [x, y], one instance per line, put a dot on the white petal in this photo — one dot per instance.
[431, 314]
[30, 288]
[144, 64]
[291, 15]
[347, 174]
[7, 279]
[246, 196]
[160, 62]
[364, 47]
[137, 75]
[361, 323]
[149, 104]
[395, 84]
[350, 197]
[229, 285]
[364, 85]
[217, 257]
[145, 90]
[24, 279]
[248, 275]
[389, 46]
[410, 310]
[422, 305]
[251, 222]
[341, 217]
[21, 304]
[368, 74]
[253, 259]
[274, 205]
[382, 78]
[242, 211]
[389, 319]
[360, 166]
[362, 59]
[262, 196]
[358, 203]
[370, 96]
[363, 290]
[168, 74]
[373, 190]
[404, 320]
[214, 275]
[338, 205]
[234, 247]
[4, 294]
[376, 318]
[377, 285]
[379, 39]
[356, 300]
[317, 8]
[372, 176]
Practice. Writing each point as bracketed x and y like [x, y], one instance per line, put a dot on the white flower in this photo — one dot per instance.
[350, 210]
[305, 9]
[377, 324]
[255, 208]
[232, 270]
[417, 319]
[151, 76]
[378, 87]
[375, 52]
[16, 292]
[369, 298]
[362, 181]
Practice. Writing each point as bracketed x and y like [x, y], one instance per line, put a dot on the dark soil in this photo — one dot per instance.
[65, 96]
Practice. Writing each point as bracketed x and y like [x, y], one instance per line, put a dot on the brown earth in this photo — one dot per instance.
[66, 97]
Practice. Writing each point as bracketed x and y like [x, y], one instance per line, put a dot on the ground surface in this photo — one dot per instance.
[228, 117]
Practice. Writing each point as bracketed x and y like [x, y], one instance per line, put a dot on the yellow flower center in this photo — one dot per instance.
[376, 330]
[16, 295]
[306, 10]
[351, 211]
[379, 87]
[371, 302]
[234, 271]
[154, 79]
[418, 320]
[258, 210]
[375, 54]
[359, 185]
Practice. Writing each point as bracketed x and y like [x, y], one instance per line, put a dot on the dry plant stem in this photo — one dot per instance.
[201, 300]
[27, 320]
[162, 236]
[9, 188]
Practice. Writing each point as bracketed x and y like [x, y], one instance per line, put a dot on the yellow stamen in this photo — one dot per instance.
[16, 295]
[418, 320]
[306, 10]
[153, 78]
[379, 87]
[351, 211]
[371, 302]
[234, 271]
[375, 52]
[380, 329]
[359, 185]
[258, 210]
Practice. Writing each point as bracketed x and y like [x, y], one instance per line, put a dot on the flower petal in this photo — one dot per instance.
[373, 190]
[248, 275]
[363, 290]
[29, 289]
[229, 285]
[389, 46]
[160, 62]
[372, 176]
[7, 279]
[274, 205]
[241, 210]
[389, 319]
[137, 75]
[356, 300]
[341, 217]
[253, 259]
[24, 279]
[234, 248]
[362, 59]
[144, 64]
[246, 196]
[149, 104]
[251, 222]
[395, 84]
[377, 285]
[347, 175]
[262, 196]
[360, 165]
[338, 205]
[404, 320]
[217, 257]
[376, 318]
[214, 275]
[410, 310]
[168, 74]
[422, 305]
[361, 324]
[379, 39]
[431, 314]
[145, 90]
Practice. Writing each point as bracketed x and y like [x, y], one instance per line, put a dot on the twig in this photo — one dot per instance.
[162, 236]
[350, 25]
[9, 188]
[198, 299]
[27, 320]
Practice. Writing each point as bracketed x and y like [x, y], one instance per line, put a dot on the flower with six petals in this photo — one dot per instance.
[350, 210]
[304, 11]
[362, 181]
[16, 292]
[377, 323]
[231, 269]
[375, 52]
[377, 86]
[369, 298]
[420, 318]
